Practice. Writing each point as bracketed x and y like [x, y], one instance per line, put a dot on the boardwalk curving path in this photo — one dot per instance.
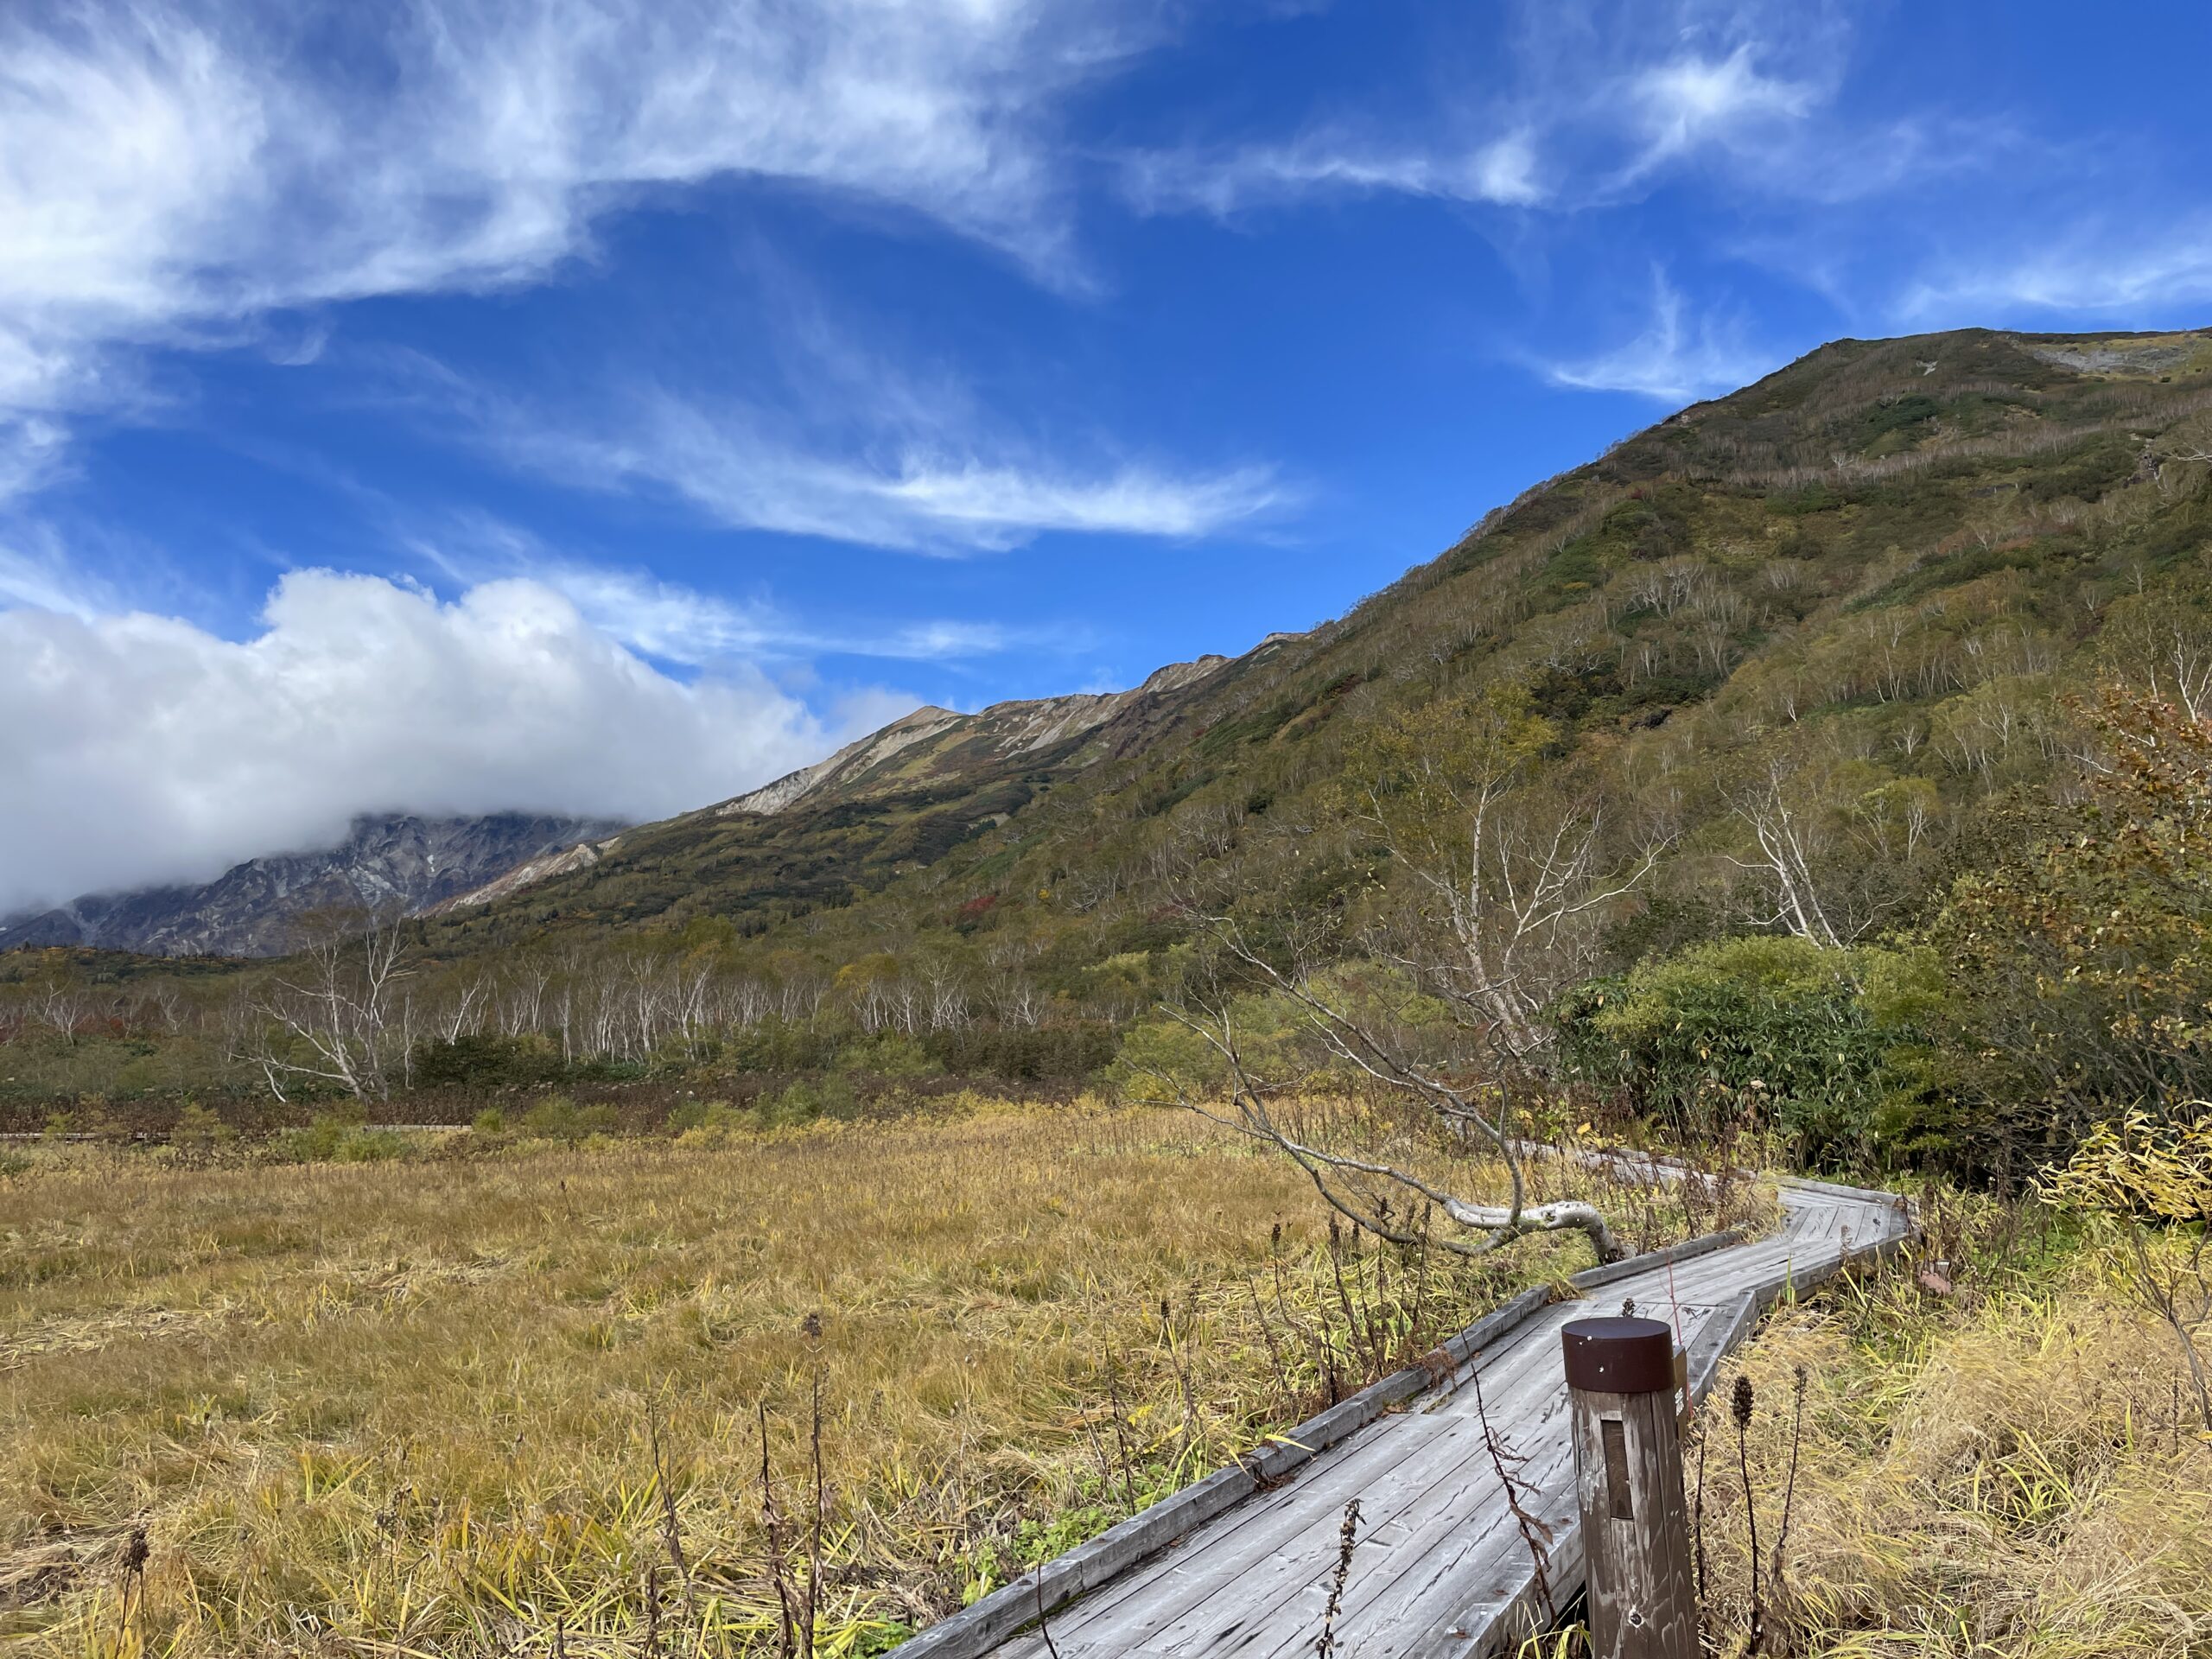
[1240, 1565]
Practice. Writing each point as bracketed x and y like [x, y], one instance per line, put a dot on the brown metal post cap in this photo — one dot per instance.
[1619, 1356]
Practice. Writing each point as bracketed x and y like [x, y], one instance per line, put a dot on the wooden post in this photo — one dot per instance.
[1628, 1478]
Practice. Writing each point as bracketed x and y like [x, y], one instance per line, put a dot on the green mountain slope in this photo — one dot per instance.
[1850, 595]
[896, 801]
[1853, 696]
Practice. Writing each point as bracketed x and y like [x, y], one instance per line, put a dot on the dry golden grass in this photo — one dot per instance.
[409, 1407]
[2014, 1468]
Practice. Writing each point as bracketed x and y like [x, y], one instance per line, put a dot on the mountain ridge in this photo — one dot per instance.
[1015, 725]
[387, 859]
[919, 751]
[1874, 548]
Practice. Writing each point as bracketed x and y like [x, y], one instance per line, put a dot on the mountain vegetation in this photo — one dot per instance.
[1832, 716]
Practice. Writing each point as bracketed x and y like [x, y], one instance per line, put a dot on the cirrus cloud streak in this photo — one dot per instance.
[219, 171]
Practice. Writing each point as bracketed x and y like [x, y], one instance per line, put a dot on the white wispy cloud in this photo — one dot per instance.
[32, 574]
[1695, 100]
[1503, 170]
[677, 622]
[356, 694]
[1673, 360]
[902, 464]
[172, 175]
[996, 505]
[680, 624]
[33, 449]
[1589, 105]
[2089, 266]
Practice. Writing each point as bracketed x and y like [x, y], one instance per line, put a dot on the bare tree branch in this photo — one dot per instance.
[327, 1015]
[1357, 1041]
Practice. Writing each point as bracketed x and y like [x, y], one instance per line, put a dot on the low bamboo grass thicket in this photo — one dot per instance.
[1996, 1451]
[705, 1396]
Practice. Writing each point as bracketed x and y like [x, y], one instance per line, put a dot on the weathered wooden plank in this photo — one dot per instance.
[1267, 1523]
[1442, 1572]
[1400, 1526]
[976, 1629]
[1859, 1195]
[1718, 1338]
[1242, 1569]
[1457, 1524]
[1273, 1523]
[1387, 1607]
[1301, 1525]
[1689, 1249]
[1297, 1542]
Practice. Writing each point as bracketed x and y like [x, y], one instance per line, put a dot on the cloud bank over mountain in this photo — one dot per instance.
[140, 749]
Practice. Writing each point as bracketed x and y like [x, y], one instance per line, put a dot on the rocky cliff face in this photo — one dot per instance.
[543, 868]
[931, 742]
[412, 863]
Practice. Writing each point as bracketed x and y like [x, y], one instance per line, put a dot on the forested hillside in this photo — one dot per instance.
[1811, 680]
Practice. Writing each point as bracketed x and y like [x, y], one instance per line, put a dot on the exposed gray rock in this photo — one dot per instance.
[250, 910]
[1018, 727]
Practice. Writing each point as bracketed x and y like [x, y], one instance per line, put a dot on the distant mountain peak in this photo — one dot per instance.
[387, 859]
[1019, 725]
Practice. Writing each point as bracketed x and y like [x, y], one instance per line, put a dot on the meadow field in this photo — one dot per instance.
[482, 1393]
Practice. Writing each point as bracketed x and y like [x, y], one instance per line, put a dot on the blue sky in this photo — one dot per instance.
[607, 406]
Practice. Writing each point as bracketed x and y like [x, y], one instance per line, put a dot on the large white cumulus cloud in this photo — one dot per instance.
[136, 749]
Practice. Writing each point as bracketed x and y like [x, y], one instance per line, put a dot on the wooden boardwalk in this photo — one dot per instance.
[1441, 1569]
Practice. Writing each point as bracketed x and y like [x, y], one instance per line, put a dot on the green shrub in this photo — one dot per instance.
[487, 1061]
[810, 1099]
[1759, 1032]
[197, 1128]
[338, 1136]
[782, 1045]
[711, 1123]
[888, 1054]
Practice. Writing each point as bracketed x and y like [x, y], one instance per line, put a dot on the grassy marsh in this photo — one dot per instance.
[2000, 1456]
[411, 1405]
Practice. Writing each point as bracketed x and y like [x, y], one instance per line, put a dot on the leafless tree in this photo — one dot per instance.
[1498, 895]
[464, 1010]
[1377, 1196]
[328, 1013]
[1503, 888]
[1512, 921]
[64, 1005]
[1787, 854]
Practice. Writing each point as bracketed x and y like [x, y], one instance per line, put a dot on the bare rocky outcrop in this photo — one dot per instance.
[2123, 354]
[931, 735]
[528, 873]
[394, 861]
